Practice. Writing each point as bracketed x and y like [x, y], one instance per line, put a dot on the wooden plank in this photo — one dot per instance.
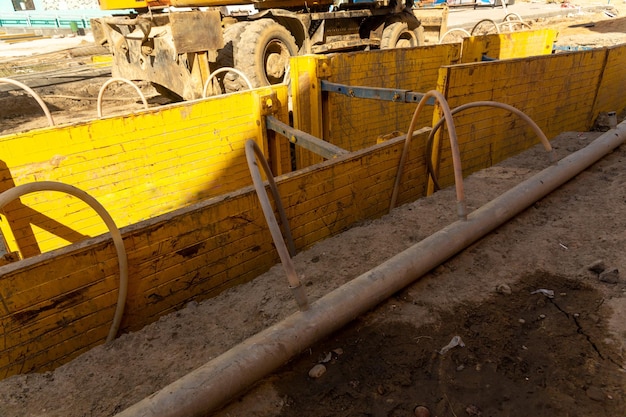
[136, 166]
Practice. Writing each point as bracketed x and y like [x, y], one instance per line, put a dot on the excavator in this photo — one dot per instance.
[181, 45]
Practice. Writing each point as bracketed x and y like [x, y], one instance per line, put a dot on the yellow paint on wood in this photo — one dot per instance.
[549, 89]
[610, 95]
[307, 103]
[509, 45]
[357, 123]
[137, 166]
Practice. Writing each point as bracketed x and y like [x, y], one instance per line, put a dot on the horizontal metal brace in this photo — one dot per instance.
[306, 140]
[571, 48]
[375, 93]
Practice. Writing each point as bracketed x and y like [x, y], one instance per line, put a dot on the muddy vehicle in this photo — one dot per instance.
[181, 45]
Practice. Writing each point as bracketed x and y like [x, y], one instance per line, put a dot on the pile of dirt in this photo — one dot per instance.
[590, 30]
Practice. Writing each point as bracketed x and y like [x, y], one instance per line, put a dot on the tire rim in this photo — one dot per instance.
[275, 58]
[406, 40]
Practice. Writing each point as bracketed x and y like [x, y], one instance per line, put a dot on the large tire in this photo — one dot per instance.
[398, 35]
[263, 52]
[230, 82]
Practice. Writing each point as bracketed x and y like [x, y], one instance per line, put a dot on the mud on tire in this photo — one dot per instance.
[263, 52]
[229, 82]
[398, 35]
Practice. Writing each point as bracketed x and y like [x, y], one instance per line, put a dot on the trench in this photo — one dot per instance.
[211, 385]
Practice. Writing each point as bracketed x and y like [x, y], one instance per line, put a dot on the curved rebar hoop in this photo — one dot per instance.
[508, 17]
[513, 23]
[483, 21]
[114, 80]
[454, 147]
[30, 91]
[253, 153]
[465, 32]
[225, 69]
[23, 189]
[542, 137]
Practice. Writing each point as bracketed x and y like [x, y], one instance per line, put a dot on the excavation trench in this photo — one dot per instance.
[213, 384]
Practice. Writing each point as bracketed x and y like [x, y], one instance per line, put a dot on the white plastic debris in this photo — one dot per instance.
[317, 371]
[547, 293]
[456, 341]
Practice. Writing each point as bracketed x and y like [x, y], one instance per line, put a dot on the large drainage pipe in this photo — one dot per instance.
[210, 386]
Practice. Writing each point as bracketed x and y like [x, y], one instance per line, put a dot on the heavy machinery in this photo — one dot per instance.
[177, 45]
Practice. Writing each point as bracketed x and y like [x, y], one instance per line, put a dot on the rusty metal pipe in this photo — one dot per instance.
[254, 154]
[542, 137]
[454, 148]
[211, 385]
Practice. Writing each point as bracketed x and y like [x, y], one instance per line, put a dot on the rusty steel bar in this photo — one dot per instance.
[454, 147]
[254, 154]
[23, 189]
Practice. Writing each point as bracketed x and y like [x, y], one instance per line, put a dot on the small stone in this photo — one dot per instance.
[542, 316]
[317, 371]
[473, 410]
[521, 321]
[597, 266]
[421, 411]
[595, 393]
[610, 276]
[460, 367]
[504, 289]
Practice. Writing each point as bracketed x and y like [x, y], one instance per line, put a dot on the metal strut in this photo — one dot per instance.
[375, 93]
[320, 147]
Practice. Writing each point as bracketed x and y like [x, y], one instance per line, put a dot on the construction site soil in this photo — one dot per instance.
[539, 306]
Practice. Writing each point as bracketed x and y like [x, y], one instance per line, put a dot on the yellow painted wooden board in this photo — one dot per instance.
[613, 84]
[307, 103]
[191, 253]
[520, 44]
[137, 166]
[553, 90]
[355, 124]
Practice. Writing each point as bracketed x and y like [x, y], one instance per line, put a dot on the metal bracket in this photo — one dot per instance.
[323, 68]
[306, 140]
[571, 48]
[269, 104]
[375, 93]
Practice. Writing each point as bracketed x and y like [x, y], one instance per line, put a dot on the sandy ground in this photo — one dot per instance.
[43, 46]
[524, 353]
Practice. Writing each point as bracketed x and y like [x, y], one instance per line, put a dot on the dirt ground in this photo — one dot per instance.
[525, 352]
